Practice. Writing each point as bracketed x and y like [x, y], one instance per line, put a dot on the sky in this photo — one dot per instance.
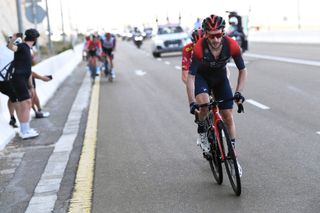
[103, 14]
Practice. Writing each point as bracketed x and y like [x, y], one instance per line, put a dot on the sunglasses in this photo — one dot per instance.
[217, 35]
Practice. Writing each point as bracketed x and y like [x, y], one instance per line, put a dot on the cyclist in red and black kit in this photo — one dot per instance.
[93, 49]
[208, 73]
[187, 51]
[93, 46]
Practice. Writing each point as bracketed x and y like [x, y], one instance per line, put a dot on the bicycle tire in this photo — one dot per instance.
[230, 161]
[215, 160]
[93, 71]
[106, 68]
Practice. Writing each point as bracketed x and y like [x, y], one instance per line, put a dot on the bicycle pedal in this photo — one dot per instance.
[207, 156]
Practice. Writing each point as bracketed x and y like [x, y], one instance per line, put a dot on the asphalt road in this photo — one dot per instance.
[146, 155]
[147, 159]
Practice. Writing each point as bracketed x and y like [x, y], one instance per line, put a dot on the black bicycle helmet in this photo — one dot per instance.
[212, 23]
[196, 35]
[31, 34]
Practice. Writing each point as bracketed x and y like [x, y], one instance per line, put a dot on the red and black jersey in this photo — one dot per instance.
[186, 56]
[91, 45]
[204, 63]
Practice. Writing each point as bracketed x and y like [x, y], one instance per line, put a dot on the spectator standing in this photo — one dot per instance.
[6, 56]
[21, 80]
[35, 98]
[197, 24]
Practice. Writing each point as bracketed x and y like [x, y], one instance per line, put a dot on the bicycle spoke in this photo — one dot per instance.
[230, 162]
[215, 160]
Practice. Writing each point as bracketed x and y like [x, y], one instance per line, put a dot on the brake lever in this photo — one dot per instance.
[240, 108]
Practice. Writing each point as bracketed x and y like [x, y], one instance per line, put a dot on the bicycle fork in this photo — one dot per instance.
[217, 118]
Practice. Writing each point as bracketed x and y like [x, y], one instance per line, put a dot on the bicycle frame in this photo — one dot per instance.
[214, 108]
[221, 145]
[217, 117]
[92, 60]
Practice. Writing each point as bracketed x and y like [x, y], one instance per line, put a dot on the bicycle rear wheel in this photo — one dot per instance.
[106, 68]
[215, 158]
[230, 161]
[93, 71]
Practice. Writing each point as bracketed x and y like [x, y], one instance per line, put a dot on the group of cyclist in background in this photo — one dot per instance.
[98, 49]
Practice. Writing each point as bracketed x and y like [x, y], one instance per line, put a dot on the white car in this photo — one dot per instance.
[169, 38]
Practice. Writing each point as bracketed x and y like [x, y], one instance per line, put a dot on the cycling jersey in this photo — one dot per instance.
[204, 62]
[211, 73]
[186, 56]
[109, 43]
[93, 47]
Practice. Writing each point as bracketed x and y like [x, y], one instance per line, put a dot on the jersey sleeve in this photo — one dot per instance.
[87, 45]
[236, 54]
[195, 63]
[186, 56]
[99, 45]
[196, 58]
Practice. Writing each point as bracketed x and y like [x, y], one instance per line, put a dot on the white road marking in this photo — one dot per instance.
[178, 67]
[140, 72]
[285, 59]
[318, 132]
[257, 104]
[159, 59]
[231, 65]
[300, 92]
[167, 62]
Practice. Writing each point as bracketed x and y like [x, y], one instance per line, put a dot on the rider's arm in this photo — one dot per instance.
[236, 54]
[98, 44]
[241, 80]
[86, 47]
[185, 63]
[114, 44]
[242, 72]
[99, 47]
[191, 79]
[190, 88]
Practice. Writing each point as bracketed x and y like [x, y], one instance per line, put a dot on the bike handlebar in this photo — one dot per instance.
[214, 103]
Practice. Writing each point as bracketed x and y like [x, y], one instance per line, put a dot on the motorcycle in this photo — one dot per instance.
[137, 39]
[240, 38]
[235, 30]
[237, 36]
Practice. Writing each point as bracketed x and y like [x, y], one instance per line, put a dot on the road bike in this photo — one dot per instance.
[220, 142]
[107, 66]
[92, 64]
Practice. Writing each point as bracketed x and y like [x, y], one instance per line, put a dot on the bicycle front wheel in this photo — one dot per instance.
[93, 71]
[215, 158]
[230, 161]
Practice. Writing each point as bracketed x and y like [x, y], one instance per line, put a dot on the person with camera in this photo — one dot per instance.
[21, 80]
